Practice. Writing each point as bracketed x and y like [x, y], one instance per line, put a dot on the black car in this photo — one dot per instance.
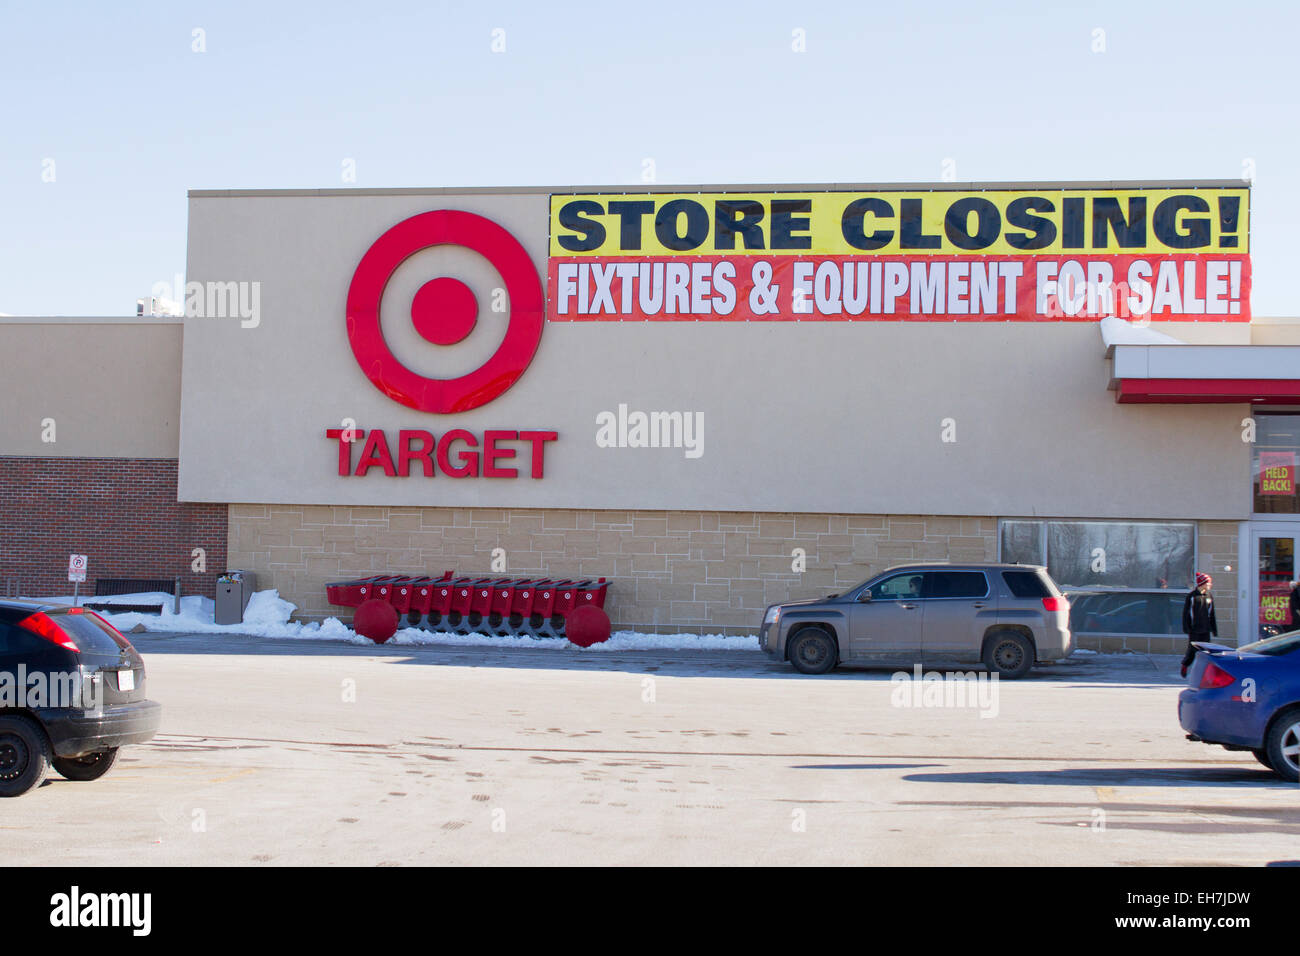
[72, 691]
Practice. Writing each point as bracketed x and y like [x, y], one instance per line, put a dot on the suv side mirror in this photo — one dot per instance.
[865, 597]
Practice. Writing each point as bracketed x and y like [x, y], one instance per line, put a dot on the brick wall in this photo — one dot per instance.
[1216, 550]
[120, 512]
[700, 572]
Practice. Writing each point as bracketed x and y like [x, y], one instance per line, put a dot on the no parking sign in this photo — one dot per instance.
[77, 568]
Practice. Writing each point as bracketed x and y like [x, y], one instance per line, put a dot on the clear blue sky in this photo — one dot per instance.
[712, 92]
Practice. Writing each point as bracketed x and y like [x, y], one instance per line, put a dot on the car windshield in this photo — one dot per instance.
[1274, 646]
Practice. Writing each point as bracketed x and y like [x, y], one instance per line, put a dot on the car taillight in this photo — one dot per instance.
[1056, 604]
[1215, 676]
[42, 625]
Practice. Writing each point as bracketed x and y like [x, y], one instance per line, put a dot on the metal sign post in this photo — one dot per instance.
[76, 574]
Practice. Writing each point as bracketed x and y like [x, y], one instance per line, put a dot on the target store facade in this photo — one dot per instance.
[717, 397]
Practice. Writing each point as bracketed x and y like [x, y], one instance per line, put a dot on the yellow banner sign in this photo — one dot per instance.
[987, 222]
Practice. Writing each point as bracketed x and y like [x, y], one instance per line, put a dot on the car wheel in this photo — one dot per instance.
[1009, 655]
[1262, 756]
[812, 651]
[1283, 745]
[90, 767]
[24, 756]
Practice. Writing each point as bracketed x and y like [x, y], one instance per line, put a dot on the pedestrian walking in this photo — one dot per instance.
[1198, 617]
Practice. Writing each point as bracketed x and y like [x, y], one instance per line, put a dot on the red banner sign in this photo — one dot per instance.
[920, 287]
[1275, 603]
[1276, 473]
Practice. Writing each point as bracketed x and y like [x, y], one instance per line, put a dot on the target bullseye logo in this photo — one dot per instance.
[445, 311]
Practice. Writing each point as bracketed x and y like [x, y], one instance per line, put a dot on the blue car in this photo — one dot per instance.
[1247, 698]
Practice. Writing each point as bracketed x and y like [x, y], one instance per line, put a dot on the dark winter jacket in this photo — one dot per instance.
[1198, 614]
[1295, 608]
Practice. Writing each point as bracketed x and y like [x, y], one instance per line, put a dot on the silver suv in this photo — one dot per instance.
[1005, 616]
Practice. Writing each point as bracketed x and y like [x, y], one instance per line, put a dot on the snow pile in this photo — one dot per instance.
[1116, 331]
[267, 615]
[618, 641]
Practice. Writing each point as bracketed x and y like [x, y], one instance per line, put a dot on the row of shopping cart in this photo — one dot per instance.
[533, 607]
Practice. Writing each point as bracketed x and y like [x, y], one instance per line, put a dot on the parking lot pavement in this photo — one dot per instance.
[299, 752]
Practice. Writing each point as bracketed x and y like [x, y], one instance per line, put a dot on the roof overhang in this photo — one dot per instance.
[1180, 374]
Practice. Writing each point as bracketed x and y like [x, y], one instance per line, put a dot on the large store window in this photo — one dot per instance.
[1127, 612]
[1086, 554]
[1276, 450]
[1123, 577]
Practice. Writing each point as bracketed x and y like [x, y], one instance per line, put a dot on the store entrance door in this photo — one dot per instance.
[1269, 576]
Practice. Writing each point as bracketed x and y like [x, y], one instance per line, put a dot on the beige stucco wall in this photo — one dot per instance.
[1275, 331]
[808, 417]
[111, 386]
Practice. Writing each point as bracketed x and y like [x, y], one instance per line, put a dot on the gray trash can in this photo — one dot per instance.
[234, 588]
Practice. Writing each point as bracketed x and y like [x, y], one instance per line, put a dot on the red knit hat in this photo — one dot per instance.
[1203, 578]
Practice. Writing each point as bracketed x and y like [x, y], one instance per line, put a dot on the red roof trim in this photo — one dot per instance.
[1206, 391]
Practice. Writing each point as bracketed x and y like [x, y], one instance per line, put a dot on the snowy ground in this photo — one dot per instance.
[267, 615]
